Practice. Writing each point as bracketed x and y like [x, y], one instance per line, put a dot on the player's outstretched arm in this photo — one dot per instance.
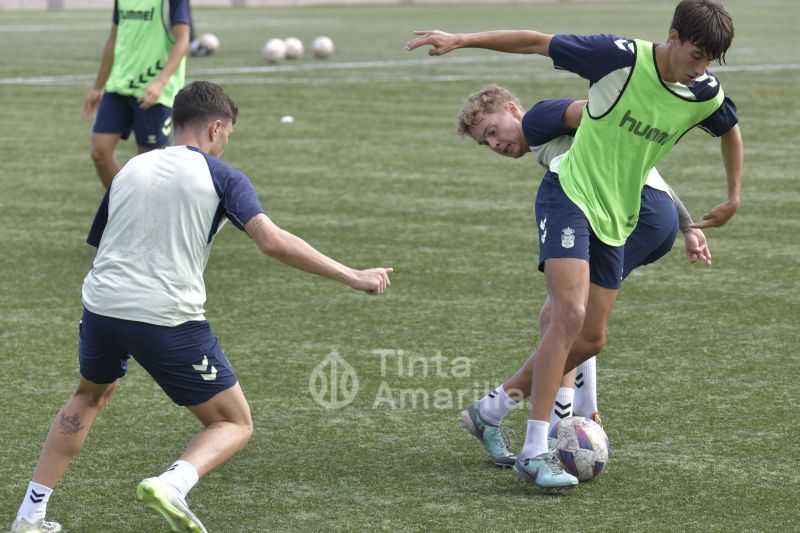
[512, 41]
[297, 253]
[733, 157]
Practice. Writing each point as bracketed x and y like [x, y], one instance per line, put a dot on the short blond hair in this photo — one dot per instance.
[487, 100]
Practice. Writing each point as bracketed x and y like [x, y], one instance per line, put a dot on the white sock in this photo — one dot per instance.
[34, 504]
[181, 476]
[535, 439]
[586, 388]
[495, 405]
[563, 406]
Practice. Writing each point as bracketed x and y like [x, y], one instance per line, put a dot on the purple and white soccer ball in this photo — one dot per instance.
[582, 446]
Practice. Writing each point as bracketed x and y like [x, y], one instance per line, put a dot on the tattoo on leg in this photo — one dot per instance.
[69, 425]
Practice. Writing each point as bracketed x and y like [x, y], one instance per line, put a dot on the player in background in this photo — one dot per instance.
[145, 295]
[547, 131]
[141, 71]
[643, 98]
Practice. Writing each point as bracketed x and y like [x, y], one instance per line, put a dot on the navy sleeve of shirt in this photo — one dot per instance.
[592, 56]
[99, 224]
[238, 198]
[721, 120]
[179, 12]
[542, 123]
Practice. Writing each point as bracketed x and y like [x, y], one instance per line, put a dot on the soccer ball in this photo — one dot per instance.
[294, 48]
[209, 41]
[205, 45]
[322, 47]
[582, 446]
[274, 50]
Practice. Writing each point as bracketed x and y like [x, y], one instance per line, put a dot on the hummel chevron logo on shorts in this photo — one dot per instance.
[203, 366]
[543, 227]
[167, 128]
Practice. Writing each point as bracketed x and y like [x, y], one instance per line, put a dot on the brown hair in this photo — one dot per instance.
[487, 100]
[200, 102]
[705, 24]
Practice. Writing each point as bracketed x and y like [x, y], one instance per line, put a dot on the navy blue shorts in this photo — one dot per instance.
[186, 360]
[564, 232]
[121, 114]
[654, 234]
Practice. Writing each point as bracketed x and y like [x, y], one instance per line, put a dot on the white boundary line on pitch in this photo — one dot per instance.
[352, 65]
[255, 23]
[386, 79]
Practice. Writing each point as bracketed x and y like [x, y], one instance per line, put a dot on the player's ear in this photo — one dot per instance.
[673, 37]
[515, 110]
[214, 129]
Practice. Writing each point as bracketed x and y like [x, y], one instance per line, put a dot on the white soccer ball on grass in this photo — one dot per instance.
[294, 48]
[322, 47]
[209, 41]
[274, 50]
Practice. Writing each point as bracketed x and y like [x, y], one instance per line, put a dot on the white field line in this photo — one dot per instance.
[255, 23]
[388, 79]
[216, 73]
[55, 27]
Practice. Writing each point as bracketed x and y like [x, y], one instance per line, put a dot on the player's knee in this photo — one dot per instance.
[569, 318]
[101, 154]
[92, 398]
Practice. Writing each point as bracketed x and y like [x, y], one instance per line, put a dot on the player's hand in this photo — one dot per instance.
[90, 103]
[440, 41]
[717, 216]
[151, 94]
[696, 246]
[372, 281]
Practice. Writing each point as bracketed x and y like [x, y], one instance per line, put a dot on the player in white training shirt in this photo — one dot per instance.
[144, 298]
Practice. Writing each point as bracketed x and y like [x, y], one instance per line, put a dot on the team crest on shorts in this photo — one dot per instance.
[567, 237]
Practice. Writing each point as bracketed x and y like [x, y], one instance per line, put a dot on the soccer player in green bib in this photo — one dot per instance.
[643, 98]
[141, 71]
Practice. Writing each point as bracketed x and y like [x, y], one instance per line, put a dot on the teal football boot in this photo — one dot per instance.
[544, 471]
[494, 438]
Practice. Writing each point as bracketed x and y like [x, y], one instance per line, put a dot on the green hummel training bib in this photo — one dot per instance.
[141, 50]
[606, 168]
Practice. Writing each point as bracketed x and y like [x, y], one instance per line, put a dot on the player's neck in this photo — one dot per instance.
[662, 56]
[187, 138]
